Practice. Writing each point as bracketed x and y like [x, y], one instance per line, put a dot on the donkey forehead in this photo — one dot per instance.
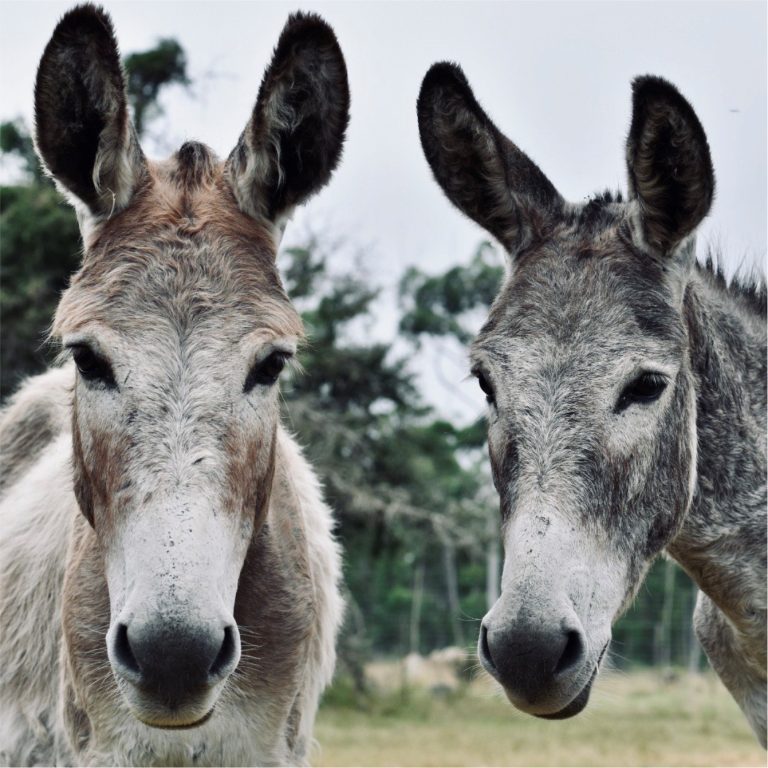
[181, 255]
[593, 304]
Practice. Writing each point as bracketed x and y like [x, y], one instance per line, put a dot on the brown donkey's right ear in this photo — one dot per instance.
[82, 129]
[480, 170]
[293, 141]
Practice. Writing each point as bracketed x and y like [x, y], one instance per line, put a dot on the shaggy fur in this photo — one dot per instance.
[627, 402]
[166, 558]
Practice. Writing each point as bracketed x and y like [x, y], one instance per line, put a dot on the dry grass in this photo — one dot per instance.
[632, 720]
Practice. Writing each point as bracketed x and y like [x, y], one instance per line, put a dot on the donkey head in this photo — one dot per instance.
[583, 361]
[179, 328]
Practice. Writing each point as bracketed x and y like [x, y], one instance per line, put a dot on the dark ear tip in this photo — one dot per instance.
[443, 74]
[649, 92]
[649, 89]
[84, 19]
[444, 77]
[308, 28]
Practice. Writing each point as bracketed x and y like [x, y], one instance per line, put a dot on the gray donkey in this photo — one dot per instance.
[626, 390]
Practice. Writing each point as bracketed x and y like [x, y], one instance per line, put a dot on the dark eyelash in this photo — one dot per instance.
[645, 388]
[92, 366]
[267, 371]
[485, 385]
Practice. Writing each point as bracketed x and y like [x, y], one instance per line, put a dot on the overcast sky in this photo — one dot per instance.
[554, 76]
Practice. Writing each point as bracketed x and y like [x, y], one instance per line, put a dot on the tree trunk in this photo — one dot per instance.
[663, 630]
[416, 601]
[492, 560]
[452, 590]
[694, 648]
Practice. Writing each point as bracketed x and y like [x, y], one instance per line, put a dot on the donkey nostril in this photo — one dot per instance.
[226, 654]
[122, 650]
[484, 648]
[572, 653]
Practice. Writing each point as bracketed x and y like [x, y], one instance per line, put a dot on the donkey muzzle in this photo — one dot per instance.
[542, 663]
[171, 670]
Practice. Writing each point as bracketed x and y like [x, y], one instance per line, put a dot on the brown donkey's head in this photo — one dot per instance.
[179, 328]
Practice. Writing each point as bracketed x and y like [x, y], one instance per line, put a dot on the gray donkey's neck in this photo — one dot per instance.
[722, 544]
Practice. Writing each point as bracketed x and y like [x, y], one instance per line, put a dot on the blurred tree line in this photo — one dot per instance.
[412, 492]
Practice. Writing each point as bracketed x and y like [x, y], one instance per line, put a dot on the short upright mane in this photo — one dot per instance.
[750, 289]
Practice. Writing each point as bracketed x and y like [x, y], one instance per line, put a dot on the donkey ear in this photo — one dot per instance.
[294, 138]
[83, 132]
[669, 165]
[480, 170]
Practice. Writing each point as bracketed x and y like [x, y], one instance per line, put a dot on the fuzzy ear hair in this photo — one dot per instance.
[82, 129]
[480, 170]
[294, 138]
[668, 162]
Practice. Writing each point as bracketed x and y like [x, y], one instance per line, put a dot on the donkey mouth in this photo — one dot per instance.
[578, 703]
[167, 726]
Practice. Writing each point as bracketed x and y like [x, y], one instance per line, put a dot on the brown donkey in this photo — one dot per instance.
[169, 576]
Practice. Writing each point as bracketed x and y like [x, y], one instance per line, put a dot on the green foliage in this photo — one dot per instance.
[15, 139]
[390, 469]
[40, 245]
[148, 73]
[434, 305]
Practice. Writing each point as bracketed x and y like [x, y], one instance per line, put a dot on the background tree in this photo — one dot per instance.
[411, 505]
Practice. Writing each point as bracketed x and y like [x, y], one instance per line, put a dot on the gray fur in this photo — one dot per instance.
[627, 405]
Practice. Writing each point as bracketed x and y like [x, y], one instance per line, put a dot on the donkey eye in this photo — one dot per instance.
[646, 388]
[93, 367]
[485, 385]
[266, 371]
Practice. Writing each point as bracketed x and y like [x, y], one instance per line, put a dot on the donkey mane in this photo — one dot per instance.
[747, 289]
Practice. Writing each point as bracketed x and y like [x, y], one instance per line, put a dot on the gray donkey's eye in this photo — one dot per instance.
[646, 388]
[485, 385]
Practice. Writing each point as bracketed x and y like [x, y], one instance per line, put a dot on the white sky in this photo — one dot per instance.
[554, 76]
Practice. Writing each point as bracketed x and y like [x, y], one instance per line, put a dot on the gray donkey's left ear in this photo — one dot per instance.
[669, 165]
[294, 138]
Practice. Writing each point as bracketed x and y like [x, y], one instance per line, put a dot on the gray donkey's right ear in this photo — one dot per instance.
[668, 163]
[294, 138]
[480, 170]
[82, 128]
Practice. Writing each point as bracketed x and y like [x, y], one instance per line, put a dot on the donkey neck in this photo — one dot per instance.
[722, 543]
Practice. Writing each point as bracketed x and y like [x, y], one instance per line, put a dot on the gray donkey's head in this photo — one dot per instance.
[592, 431]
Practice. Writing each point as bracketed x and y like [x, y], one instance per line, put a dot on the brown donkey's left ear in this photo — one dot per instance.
[669, 165]
[82, 129]
[294, 138]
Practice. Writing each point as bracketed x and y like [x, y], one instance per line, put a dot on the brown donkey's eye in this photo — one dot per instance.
[92, 367]
[266, 371]
[485, 385]
[646, 388]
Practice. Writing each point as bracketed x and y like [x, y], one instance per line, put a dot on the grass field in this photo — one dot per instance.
[633, 719]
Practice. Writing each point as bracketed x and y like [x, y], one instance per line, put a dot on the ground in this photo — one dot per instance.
[635, 719]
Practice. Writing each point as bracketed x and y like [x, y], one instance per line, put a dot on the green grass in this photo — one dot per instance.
[632, 720]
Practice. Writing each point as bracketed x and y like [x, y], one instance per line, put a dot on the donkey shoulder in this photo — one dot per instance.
[36, 414]
[36, 512]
